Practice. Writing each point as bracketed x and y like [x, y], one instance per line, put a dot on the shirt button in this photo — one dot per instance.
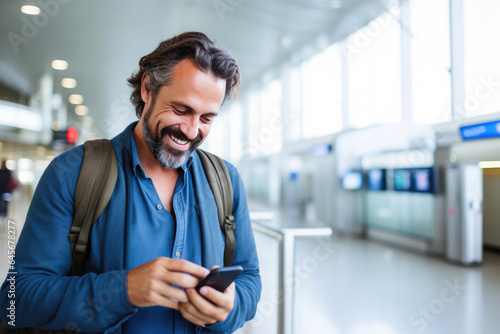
[177, 253]
[159, 206]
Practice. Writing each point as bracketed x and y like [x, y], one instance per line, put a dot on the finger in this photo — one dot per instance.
[190, 313]
[223, 300]
[169, 292]
[184, 266]
[214, 267]
[206, 307]
[160, 300]
[180, 279]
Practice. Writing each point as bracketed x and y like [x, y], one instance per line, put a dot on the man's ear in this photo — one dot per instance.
[145, 91]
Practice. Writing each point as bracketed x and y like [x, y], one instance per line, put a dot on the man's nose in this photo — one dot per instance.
[191, 128]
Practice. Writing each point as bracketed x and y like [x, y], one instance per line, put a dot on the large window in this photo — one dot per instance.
[374, 71]
[271, 120]
[430, 61]
[235, 130]
[322, 93]
[252, 145]
[218, 138]
[482, 57]
[292, 117]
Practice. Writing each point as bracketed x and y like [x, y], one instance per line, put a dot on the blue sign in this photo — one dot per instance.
[480, 131]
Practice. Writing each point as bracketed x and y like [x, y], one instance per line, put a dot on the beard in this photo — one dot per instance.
[167, 156]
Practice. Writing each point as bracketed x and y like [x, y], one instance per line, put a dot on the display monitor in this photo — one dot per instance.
[402, 179]
[423, 180]
[352, 180]
[376, 179]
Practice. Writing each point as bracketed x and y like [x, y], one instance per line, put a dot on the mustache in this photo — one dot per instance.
[175, 132]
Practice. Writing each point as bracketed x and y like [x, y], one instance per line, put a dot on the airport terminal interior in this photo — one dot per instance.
[367, 134]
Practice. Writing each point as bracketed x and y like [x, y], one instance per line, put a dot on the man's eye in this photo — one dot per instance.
[207, 119]
[180, 111]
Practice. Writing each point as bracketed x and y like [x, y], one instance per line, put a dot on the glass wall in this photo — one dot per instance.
[374, 71]
[235, 131]
[269, 133]
[482, 55]
[219, 134]
[293, 115]
[322, 93]
[253, 145]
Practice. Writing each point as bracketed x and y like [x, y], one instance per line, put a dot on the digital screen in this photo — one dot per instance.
[480, 131]
[402, 179]
[319, 150]
[376, 179]
[423, 180]
[352, 180]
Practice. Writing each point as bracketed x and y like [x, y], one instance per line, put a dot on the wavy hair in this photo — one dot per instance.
[159, 65]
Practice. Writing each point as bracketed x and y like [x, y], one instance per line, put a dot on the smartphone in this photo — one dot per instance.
[220, 278]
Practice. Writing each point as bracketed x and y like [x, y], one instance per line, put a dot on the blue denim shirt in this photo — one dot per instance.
[132, 230]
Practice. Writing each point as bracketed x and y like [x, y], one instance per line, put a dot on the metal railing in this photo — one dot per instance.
[286, 240]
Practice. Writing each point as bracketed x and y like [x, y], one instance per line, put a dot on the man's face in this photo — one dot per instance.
[177, 121]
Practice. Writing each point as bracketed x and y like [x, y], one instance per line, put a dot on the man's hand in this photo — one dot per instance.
[208, 306]
[151, 284]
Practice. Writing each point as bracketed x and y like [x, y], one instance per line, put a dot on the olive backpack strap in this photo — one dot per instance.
[94, 188]
[220, 183]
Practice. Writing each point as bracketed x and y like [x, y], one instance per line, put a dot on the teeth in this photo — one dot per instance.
[178, 141]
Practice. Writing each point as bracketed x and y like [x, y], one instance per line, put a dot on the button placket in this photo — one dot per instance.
[180, 224]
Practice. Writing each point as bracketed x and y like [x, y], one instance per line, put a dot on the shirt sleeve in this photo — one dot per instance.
[41, 292]
[248, 283]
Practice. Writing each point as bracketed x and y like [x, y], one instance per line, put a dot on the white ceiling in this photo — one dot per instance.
[103, 40]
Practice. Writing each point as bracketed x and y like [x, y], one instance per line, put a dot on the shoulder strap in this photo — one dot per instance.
[94, 188]
[220, 183]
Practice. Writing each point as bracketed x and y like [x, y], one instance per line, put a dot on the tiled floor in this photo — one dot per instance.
[365, 287]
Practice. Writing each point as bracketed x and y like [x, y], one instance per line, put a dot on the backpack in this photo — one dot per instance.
[96, 183]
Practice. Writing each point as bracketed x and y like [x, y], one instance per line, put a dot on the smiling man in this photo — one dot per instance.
[182, 112]
[159, 235]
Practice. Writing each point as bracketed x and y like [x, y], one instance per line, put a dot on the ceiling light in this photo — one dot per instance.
[59, 65]
[87, 120]
[68, 83]
[489, 164]
[30, 10]
[75, 99]
[336, 4]
[81, 110]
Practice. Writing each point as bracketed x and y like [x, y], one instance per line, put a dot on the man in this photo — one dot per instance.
[159, 235]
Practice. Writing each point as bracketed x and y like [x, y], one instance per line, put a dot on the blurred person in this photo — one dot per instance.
[7, 185]
[156, 239]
